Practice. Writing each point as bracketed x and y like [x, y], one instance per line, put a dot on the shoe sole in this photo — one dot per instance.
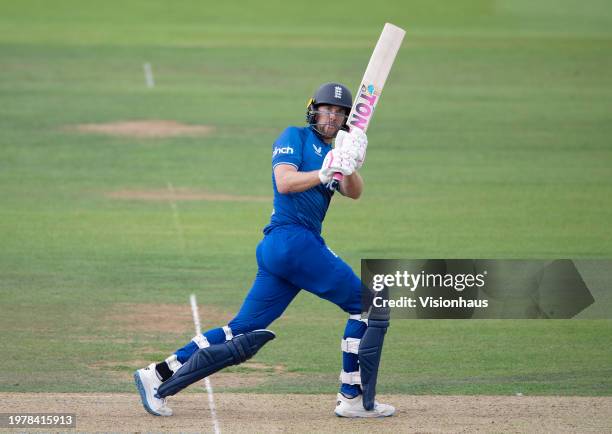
[362, 416]
[143, 395]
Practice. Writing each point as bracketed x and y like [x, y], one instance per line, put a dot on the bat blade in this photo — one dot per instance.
[375, 76]
[374, 79]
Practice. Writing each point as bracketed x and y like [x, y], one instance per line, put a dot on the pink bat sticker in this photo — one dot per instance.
[364, 107]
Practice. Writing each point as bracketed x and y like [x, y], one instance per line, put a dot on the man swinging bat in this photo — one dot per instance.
[306, 172]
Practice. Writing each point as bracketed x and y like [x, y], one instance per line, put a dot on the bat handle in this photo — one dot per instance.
[337, 178]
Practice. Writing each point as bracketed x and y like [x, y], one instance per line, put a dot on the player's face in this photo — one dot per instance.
[330, 119]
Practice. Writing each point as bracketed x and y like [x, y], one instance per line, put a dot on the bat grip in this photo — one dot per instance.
[337, 178]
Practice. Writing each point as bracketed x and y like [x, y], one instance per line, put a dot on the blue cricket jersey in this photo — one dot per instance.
[302, 148]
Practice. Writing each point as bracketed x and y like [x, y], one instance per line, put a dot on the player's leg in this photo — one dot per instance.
[320, 271]
[244, 335]
[308, 263]
[266, 301]
[367, 350]
[220, 347]
[349, 376]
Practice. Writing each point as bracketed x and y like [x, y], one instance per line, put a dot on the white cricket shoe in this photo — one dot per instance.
[147, 383]
[353, 407]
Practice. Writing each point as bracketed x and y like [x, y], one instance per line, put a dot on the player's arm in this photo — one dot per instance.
[289, 180]
[352, 186]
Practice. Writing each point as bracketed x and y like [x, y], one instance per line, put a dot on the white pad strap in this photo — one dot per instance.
[357, 317]
[350, 345]
[173, 363]
[350, 377]
[201, 341]
[228, 333]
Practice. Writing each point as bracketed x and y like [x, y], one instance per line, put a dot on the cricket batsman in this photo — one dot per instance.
[293, 256]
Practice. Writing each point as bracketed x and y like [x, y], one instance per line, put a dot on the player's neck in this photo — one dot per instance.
[326, 140]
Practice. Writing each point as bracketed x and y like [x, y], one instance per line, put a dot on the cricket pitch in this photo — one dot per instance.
[314, 413]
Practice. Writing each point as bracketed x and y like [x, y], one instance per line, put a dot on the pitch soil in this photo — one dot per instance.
[181, 194]
[143, 317]
[149, 129]
[246, 413]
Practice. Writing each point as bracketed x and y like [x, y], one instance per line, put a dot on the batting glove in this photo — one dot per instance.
[354, 143]
[336, 160]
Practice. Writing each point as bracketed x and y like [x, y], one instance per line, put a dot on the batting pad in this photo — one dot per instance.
[207, 361]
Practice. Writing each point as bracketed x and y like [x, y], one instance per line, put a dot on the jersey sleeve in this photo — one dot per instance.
[287, 149]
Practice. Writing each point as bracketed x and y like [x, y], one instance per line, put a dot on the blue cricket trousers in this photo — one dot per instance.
[290, 258]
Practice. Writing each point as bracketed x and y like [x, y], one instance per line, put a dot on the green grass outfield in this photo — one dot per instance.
[492, 141]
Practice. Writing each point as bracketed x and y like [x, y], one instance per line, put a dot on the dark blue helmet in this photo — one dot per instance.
[331, 94]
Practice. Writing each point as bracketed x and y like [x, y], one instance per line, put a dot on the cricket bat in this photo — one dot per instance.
[373, 81]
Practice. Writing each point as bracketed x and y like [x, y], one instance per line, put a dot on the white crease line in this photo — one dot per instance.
[148, 72]
[209, 390]
[195, 313]
[194, 307]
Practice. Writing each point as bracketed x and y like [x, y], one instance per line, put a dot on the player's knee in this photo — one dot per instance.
[238, 326]
[351, 302]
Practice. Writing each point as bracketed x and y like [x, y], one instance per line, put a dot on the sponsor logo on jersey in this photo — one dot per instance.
[317, 150]
[287, 150]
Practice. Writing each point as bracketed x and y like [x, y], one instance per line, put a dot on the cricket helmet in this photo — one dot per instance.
[331, 94]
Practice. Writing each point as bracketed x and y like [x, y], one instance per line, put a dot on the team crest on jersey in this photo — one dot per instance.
[317, 150]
